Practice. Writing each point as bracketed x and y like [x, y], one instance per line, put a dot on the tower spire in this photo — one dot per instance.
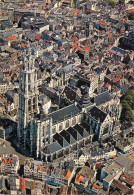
[28, 99]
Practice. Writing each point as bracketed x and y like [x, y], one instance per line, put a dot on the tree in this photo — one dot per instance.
[129, 115]
[112, 3]
[121, 1]
[125, 105]
[128, 106]
[130, 92]
[129, 99]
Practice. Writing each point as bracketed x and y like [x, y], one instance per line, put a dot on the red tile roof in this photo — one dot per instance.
[117, 185]
[87, 49]
[37, 37]
[110, 34]
[22, 45]
[78, 48]
[4, 160]
[103, 22]
[74, 45]
[40, 168]
[116, 79]
[107, 85]
[96, 187]
[127, 178]
[75, 38]
[61, 48]
[76, 13]
[10, 38]
[19, 18]
[9, 160]
[22, 184]
[79, 178]
[68, 175]
[5, 71]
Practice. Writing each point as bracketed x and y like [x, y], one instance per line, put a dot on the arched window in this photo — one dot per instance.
[67, 124]
[54, 130]
[29, 105]
[29, 102]
[34, 100]
[74, 121]
[60, 127]
[106, 130]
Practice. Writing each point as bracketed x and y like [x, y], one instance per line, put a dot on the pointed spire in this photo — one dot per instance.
[28, 58]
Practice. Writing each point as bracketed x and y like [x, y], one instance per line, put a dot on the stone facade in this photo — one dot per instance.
[28, 101]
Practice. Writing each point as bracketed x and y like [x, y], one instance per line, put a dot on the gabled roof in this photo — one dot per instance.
[117, 49]
[71, 94]
[81, 130]
[101, 98]
[57, 137]
[66, 112]
[68, 137]
[116, 79]
[10, 38]
[118, 185]
[87, 127]
[79, 178]
[52, 148]
[97, 114]
[68, 175]
[74, 134]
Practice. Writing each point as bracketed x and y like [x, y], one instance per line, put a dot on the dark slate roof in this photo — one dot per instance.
[81, 131]
[75, 134]
[6, 23]
[65, 135]
[97, 114]
[101, 98]
[66, 69]
[100, 151]
[68, 137]
[117, 49]
[70, 164]
[65, 143]
[71, 94]
[66, 112]
[87, 127]
[72, 132]
[57, 137]
[52, 148]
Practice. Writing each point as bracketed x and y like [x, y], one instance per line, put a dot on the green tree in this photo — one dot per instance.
[121, 1]
[130, 92]
[129, 99]
[129, 115]
[125, 105]
[128, 106]
[111, 2]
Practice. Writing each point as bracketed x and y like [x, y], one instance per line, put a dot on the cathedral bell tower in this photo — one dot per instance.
[28, 101]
